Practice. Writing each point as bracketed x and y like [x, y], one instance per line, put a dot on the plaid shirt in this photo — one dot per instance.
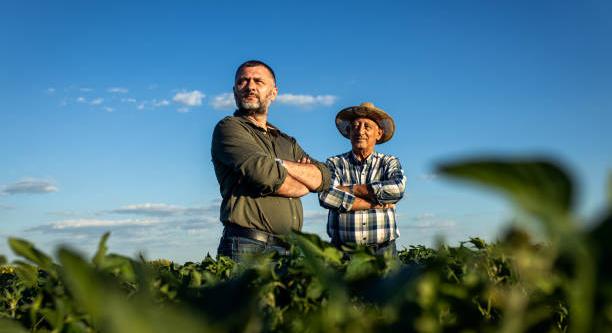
[385, 178]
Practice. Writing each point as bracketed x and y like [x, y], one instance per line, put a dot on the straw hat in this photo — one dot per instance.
[365, 110]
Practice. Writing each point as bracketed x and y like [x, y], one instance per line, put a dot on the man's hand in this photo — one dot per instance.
[362, 200]
[362, 204]
[344, 188]
[384, 206]
[304, 160]
[359, 190]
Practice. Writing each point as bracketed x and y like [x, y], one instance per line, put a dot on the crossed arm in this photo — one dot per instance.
[377, 194]
[234, 147]
[364, 197]
[302, 177]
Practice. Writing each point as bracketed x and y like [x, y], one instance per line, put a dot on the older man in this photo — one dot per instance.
[366, 184]
[262, 172]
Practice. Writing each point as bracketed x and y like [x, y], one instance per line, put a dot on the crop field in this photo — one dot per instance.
[560, 283]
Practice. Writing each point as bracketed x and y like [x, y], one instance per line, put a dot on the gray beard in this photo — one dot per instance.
[252, 107]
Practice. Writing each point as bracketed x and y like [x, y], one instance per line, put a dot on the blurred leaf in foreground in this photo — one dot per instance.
[27, 250]
[9, 326]
[539, 187]
[113, 312]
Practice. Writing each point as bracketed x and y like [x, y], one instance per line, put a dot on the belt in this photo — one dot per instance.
[232, 230]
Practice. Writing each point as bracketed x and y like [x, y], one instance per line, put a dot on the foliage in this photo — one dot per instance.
[512, 285]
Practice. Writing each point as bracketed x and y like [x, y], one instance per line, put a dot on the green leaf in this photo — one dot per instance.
[360, 266]
[111, 311]
[539, 187]
[102, 248]
[10, 326]
[27, 250]
[311, 243]
[27, 273]
[478, 242]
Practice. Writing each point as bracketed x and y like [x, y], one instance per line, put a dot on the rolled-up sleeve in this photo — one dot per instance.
[325, 173]
[333, 198]
[237, 149]
[391, 189]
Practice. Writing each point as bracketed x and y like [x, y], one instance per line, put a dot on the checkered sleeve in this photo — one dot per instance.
[391, 188]
[333, 198]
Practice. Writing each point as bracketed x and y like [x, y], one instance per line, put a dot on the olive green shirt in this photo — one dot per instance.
[243, 155]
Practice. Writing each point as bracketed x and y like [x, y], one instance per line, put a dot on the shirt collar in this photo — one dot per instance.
[243, 117]
[368, 159]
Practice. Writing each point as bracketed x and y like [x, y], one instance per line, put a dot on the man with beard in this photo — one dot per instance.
[262, 172]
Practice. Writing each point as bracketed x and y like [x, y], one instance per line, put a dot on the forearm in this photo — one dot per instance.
[292, 188]
[362, 204]
[388, 191]
[307, 174]
[363, 191]
[364, 198]
[359, 190]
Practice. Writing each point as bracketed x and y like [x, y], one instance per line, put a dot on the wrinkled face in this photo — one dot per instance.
[364, 134]
[254, 89]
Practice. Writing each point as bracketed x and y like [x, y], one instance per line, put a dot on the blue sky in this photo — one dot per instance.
[107, 107]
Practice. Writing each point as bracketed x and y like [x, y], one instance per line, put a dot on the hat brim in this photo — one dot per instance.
[380, 117]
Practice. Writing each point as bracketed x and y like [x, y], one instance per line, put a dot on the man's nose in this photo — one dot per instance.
[251, 85]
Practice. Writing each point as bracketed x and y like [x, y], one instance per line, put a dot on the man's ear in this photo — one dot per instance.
[274, 93]
[380, 133]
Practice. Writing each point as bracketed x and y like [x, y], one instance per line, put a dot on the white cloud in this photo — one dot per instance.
[29, 186]
[63, 213]
[107, 109]
[162, 209]
[128, 100]
[306, 100]
[141, 106]
[163, 102]
[95, 223]
[182, 110]
[97, 101]
[189, 98]
[81, 99]
[117, 90]
[224, 101]
[85, 89]
[50, 90]
[155, 209]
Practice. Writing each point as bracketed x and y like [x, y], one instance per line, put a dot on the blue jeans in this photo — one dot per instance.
[241, 248]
